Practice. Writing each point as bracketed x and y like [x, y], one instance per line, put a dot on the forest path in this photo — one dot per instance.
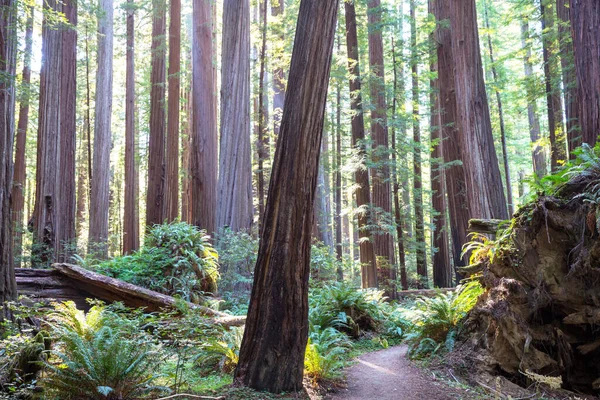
[388, 374]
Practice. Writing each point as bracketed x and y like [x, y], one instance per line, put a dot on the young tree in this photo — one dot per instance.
[361, 174]
[18, 189]
[8, 54]
[156, 140]
[131, 240]
[203, 151]
[171, 201]
[382, 200]
[585, 19]
[234, 209]
[273, 348]
[485, 195]
[99, 200]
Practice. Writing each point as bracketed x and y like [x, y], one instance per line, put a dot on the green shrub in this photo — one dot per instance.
[97, 356]
[324, 359]
[222, 353]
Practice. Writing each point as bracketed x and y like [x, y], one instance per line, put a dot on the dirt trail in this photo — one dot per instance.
[388, 374]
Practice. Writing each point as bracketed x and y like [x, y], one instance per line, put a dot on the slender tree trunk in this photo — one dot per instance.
[338, 177]
[558, 150]
[131, 240]
[19, 178]
[569, 77]
[262, 139]
[322, 209]
[485, 194]
[100, 198]
[88, 119]
[537, 152]
[273, 348]
[203, 185]
[156, 143]
[277, 10]
[382, 200]
[417, 159]
[82, 188]
[509, 194]
[585, 19]
[8, 54]
[185, 163]
[234, 209]
[451, 148]
[361, 174]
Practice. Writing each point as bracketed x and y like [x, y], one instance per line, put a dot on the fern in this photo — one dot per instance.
[323, 359]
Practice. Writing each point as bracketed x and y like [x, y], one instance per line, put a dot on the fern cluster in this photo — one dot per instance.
[324, 357]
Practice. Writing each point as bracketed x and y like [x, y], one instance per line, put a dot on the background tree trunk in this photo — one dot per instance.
[100, 201]
[131, 225]
[203, 163]
[485, 194]
[234, 209]
[361, 174]
[156, 140]
[262, 141]
[277, 10]
[272, 351]
[585, 19]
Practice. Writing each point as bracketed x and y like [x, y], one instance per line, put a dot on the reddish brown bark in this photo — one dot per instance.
[277, 10]
[585, 19]
[361, 175]
[262, 140]
[273, 348]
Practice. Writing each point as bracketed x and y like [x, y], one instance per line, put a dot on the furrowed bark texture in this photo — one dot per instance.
[361, 175]
[485, 193]
[272, 351]
[234, 209]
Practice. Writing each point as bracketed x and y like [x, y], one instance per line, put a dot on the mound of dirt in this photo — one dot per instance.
[539, 319]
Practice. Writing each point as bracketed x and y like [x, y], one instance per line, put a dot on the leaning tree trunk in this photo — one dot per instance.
[485, 195]
[234, 209]
[8, 54]
[272, 351]
[203, 151]
[363, 191]
[585, 19]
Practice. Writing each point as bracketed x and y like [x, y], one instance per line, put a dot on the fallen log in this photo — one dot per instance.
[423, 292]
[487, 226]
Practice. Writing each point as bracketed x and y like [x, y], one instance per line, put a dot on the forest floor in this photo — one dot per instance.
[388, 374]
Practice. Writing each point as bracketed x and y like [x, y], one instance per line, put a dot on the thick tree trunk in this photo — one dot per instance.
[537, 151]
[569, 77]
[234, 209]
[382, 201]
[8, 54]
[485, 195]
[203, 163]
[585, 19]
[156, 142]
[277, 10]
[131, 225]
[19, 178]
[558, 150]
[509, 195]
[451, 148]
[417, 159]
[272, 351]
[361, 174]
[100, 197]
[171, 206]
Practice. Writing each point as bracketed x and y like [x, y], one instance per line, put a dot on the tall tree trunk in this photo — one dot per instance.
[262, 142]
[19, 178]
[203, 184]
[569, 77]
[156, 142]
[442, 276]
[509, 194]
[171, 206]
[338, 176]
[185, 162]
[82, 188]
[450, 135]
[537, 152]
[363, 191]
[273, 348]
[8, 54]
[100, 198]
[558, 150]
[585, 19]
[417, 159]
[485, 194]
[131, 224]
[383, 244]
[322, 208]
[277, 10]
[234, 209]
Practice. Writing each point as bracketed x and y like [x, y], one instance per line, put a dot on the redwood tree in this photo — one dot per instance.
[234, 209]
[272, 351]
